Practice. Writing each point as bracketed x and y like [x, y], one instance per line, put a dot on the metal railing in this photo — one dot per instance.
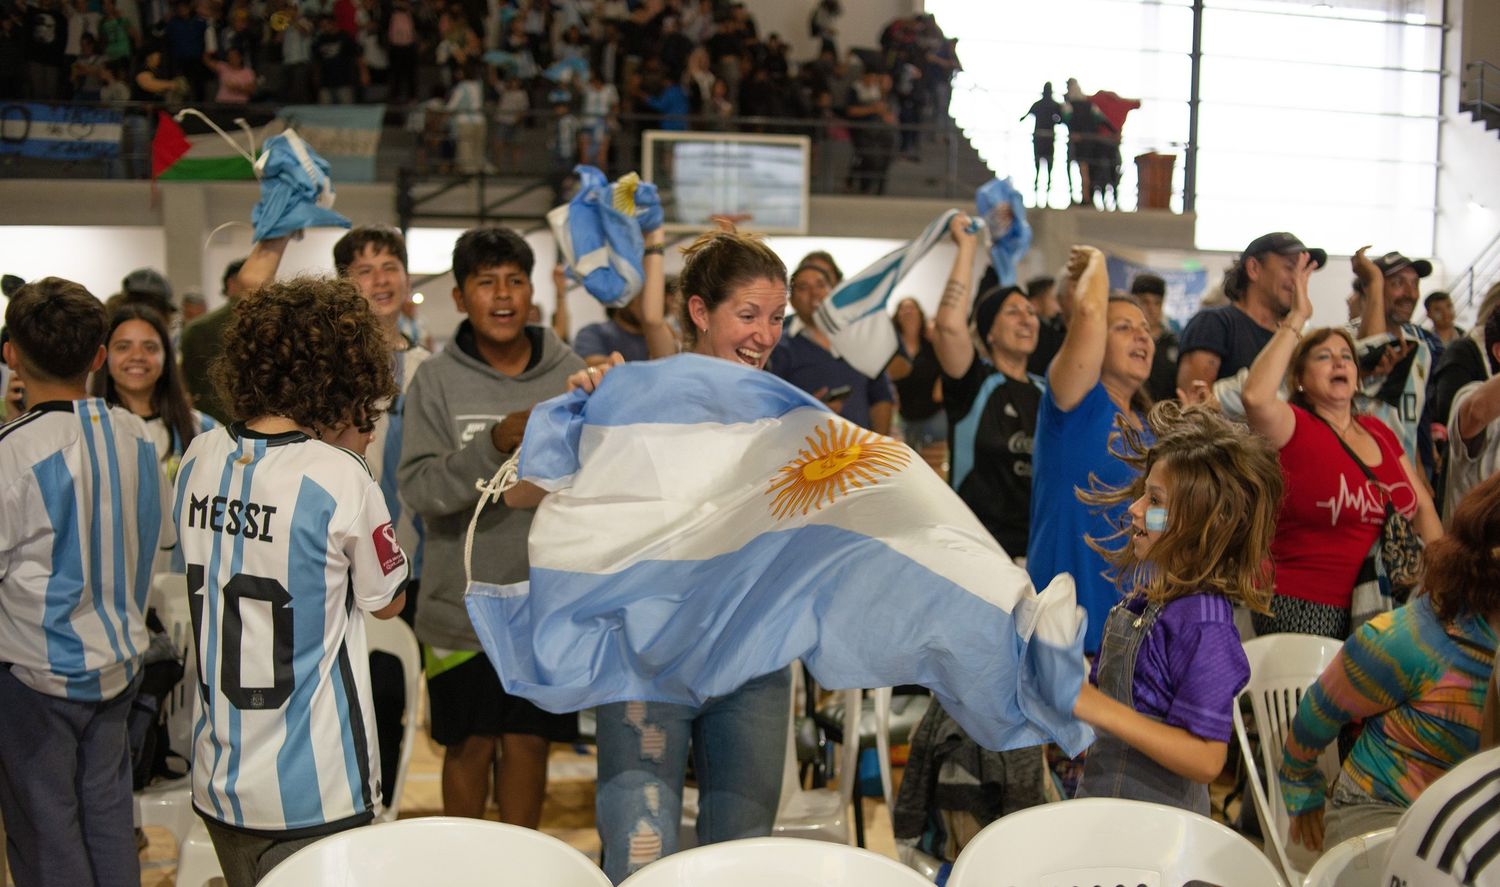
[1480, 91]
[1469, 287]
[933, 159]
[945, 164]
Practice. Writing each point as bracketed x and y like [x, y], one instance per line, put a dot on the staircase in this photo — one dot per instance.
[1469, 287]
[1480, 95]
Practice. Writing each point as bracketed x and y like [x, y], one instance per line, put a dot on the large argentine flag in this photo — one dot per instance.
[709, 523]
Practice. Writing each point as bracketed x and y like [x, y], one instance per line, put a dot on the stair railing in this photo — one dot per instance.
[1469, 287]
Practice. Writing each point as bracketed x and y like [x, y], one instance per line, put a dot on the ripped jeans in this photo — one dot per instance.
[738, 745]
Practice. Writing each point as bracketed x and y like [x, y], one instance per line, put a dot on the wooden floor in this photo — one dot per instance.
[568, 814]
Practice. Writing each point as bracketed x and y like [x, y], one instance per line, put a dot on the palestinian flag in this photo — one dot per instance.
[192, 150]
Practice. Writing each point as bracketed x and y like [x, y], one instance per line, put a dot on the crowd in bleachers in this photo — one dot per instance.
[574, 67]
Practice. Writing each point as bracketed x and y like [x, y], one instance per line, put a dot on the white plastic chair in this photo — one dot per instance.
[1356, 862]
[169, 804]
[394, 637]
[444, 850]
[197, 863]
[819, 814]
[1282, 667]
[1109, 841]
[783, 862]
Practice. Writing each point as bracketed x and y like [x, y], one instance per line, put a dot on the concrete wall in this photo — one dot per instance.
[1480, 34]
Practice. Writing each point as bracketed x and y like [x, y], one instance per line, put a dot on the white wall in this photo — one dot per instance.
[97, 257]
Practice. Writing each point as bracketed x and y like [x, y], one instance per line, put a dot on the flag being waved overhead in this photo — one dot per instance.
[708, 523]
[600, 233]
[855, 316]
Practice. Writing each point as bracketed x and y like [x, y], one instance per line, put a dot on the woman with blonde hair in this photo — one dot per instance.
[1194, 544]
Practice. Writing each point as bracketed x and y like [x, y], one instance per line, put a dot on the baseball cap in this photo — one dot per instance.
[1392, 262]
[1284, 243]
[147, 281]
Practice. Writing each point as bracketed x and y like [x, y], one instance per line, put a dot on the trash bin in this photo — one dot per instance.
[1153, 173]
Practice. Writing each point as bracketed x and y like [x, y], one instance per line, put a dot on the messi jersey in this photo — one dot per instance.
[284, 540]
[82, 511]
[384, 454]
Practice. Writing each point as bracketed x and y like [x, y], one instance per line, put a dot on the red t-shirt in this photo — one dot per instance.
[1330, 512]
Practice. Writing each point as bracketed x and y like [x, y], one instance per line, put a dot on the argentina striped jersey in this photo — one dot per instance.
[82, 511]
[1451, 834]
[284, 540]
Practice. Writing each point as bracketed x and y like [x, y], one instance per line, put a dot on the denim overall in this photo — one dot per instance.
[1114, 769]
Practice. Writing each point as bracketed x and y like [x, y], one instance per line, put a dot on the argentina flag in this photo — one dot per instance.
[708, 523]
[854, 315]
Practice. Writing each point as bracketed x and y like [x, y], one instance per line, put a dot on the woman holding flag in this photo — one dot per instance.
[735, 299]
[1097, 377]
[990, 399]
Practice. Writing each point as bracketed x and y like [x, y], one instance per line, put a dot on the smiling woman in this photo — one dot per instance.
[990, 399]
[141, 374]
[734, 298]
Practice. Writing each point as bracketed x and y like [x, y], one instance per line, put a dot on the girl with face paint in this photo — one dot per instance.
[1194, 542]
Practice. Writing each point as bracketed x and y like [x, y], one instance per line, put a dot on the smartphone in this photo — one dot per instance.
[838, 393]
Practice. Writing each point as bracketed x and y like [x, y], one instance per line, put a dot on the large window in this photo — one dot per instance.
[1321, 119]
[1315, 117]
[1008, 50]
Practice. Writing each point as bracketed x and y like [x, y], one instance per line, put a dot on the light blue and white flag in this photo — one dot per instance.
[855, 316]
[599, 233]
[708, 523]
[296, 191]
[348, 136]
[1004, 213]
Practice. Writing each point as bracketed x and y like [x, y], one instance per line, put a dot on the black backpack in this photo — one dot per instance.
[150, 752]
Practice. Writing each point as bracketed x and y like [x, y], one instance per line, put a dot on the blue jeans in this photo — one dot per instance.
[65, 788]
[738, 745]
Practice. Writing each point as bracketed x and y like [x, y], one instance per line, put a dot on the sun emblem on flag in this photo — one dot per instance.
[838, 458]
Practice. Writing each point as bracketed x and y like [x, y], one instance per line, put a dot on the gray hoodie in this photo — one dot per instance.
[453, 401]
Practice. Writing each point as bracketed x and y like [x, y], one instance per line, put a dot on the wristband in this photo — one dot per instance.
[657, 249]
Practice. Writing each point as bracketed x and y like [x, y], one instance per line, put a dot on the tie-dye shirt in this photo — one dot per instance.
[1418, 684]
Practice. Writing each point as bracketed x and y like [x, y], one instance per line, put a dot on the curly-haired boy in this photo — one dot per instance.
[284, 534]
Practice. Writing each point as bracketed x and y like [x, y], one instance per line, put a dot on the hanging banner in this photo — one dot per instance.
[59, 132]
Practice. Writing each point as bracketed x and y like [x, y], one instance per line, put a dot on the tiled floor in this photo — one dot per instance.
[568, 814]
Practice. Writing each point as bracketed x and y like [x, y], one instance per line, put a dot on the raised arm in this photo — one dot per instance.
[660, 342]
[560, 314]
[1372, 322]
[950, 328]
[260, 266]
[1268, 415]
[1075, 369]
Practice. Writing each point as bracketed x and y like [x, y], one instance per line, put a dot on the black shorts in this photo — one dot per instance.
[467, 700]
